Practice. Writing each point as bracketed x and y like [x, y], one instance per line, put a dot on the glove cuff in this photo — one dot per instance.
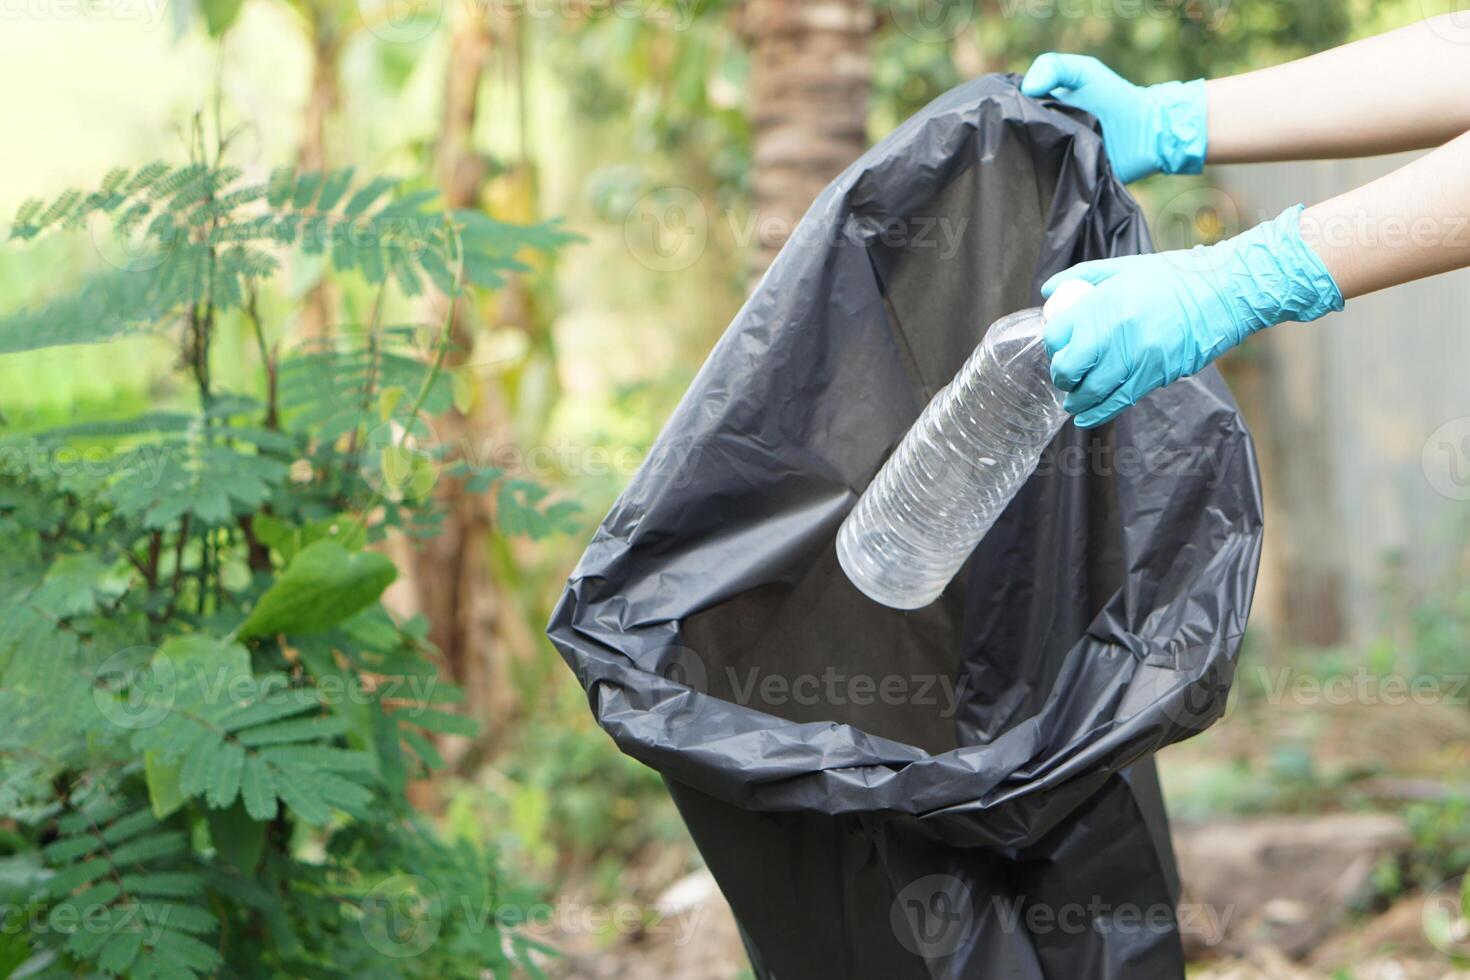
[1292, 281]
[1179, 126]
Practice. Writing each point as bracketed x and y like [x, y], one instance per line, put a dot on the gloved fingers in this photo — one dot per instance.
[1109, 408]
[1096, 271]
[1053, 70]
[1110, 371]
[1056, 333]
[1071, 364]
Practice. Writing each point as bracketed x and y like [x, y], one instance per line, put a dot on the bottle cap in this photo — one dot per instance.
[1066, 294]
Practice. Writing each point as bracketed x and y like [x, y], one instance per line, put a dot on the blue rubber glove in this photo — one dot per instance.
[1158, 129]
[1153, 319]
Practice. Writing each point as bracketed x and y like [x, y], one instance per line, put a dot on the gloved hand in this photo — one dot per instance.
[1150, 130]
[1153, 319]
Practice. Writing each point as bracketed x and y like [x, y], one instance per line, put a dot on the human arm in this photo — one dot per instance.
[1406, 89]
[1409, 224]
[1156, 318]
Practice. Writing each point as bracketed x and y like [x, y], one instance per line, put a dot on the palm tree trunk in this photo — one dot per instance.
[811, 75]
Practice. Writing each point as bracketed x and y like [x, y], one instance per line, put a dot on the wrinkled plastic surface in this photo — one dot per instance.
[964, 790]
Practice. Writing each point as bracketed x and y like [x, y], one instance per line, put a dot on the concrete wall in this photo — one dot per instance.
[1368, 453]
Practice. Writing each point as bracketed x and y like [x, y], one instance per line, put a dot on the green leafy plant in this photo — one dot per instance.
[211, 720]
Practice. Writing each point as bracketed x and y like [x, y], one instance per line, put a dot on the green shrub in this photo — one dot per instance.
[209, 717]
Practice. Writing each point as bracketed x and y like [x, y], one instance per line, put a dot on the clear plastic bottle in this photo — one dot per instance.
[959, 466]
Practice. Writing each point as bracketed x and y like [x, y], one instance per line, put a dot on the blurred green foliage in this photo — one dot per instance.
[570, 811]
[212, 720]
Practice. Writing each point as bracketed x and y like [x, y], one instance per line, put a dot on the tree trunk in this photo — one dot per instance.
[811, 71]
[473, 620]
[323, 101]
[448, 570]
[325, 95]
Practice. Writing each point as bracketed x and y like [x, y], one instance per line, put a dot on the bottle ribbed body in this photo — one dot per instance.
[955, 471]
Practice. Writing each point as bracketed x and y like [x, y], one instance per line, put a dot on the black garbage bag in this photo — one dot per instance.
[966, 790]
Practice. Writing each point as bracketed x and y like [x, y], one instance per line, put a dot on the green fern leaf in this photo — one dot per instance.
[333, 188]
[522, 508]
[238, 749]
[164, 844]
[285, 229]
[185, 918]
[76, 875]
[129, 220]
[60, 209]
[177, 181]
[330, 393]
[282, 182]
[285, 732]
[210, 482]
[163, 884]
[107, 306]
[119, 951]
[281, 704]
[307, 185]
[367, 195]
[440, 721]
[24, 223]
[424, 749]
[114, 179]
[225, 784]
[295, 789]
[132, 855]
[185, 953]
[258, 789]
[329, 758]
[405, 274]
[146, 177]
[370, 264]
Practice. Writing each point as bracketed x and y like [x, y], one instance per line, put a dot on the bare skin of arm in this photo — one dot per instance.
[1405, 90]
[1412, 223]
[1155, 318]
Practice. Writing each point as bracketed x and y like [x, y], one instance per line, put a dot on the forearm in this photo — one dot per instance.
[1404, 90]
[1412, 223]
